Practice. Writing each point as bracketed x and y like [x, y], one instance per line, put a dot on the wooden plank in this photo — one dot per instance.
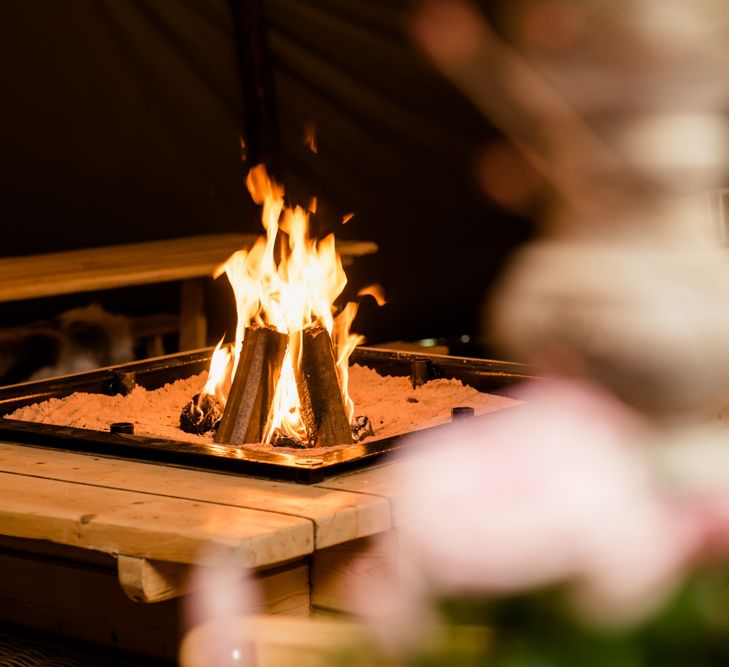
[145, 580]
[284, 590]
[109, 267]
[281, 642]
[386, 481]
[193, 321]
[145, 525]
[336, 571]
[115, 266]
[337, 515]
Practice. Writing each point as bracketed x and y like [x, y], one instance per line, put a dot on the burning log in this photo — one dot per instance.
[201, 415]
[251, 393]
[322, 406]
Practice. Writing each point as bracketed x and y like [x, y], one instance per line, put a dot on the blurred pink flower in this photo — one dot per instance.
[692, 462]
[555, 491]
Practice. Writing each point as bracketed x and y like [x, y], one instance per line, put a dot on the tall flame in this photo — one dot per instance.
[288, 281]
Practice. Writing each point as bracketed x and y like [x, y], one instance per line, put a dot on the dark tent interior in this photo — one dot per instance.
[527, 462]
[122, 121]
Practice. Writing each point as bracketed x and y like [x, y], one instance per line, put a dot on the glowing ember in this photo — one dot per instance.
[287, 281]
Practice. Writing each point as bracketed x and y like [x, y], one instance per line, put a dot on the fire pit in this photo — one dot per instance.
[276, 401]
[483, 375]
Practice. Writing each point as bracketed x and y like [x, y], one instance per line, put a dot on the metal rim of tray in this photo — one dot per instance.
[485, 375]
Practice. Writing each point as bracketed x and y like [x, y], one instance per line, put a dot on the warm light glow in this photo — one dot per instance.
[288, 281]
[218, 374]
[310, 137]
[376, 291]
[344, 343]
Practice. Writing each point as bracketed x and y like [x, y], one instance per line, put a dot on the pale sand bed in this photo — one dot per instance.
[391, 403]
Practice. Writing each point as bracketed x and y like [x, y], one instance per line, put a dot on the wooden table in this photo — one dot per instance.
[191, 260]
[100, 548]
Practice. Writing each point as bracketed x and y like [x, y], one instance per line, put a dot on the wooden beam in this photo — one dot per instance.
[145, 580]
[260, 121]
[336, 571]
[193, 320]
[110, 267]
[283, 590]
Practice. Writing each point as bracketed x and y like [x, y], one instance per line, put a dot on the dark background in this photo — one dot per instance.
[121, 119]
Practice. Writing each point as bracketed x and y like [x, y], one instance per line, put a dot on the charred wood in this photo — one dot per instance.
[361, 428]
[281, 439]
[254, 384]
[201, 415]
[322, 405]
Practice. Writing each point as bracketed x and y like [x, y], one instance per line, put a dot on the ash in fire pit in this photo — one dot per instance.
[285, 381]
[386, 400]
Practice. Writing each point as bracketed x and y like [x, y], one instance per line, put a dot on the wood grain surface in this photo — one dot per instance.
[92, 269]
[335, 515]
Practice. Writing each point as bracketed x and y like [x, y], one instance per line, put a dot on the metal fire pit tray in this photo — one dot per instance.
[485, 375]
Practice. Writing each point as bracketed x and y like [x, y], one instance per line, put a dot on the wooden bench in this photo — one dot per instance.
[102, 549]
[191, 260]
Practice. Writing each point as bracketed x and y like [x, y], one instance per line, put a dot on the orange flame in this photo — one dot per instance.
[376, 291]
[289, 293]
[310, 137]
[344, 343]
[218, 369]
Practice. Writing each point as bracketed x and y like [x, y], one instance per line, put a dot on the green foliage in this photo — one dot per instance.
[541, 630]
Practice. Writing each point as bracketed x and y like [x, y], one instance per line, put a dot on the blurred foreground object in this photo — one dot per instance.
[621, 107]
[579, 527]
[574, 526]
[648, 321]
[552, 492]
[275, 641]
[568, 531]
